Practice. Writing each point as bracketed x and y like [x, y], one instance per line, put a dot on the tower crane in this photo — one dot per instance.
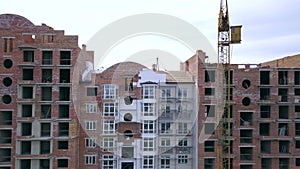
[227, 35]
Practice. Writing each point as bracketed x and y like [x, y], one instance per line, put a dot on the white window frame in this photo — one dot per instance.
[90, 159]
[90, 142]
[106, 162]
[183, 142]
[148, 162]
[108, 144]
[183, 128]
[182, 159]
[90, 125]
[148, 92]
[148, 109]
[166, 93]
[110, 109]
[149, 126]
[165, 142]
[91, 107]
[163, 162]
[182, 93]
[109, 127]
[109, 91]
[165, 127]
[148, 144]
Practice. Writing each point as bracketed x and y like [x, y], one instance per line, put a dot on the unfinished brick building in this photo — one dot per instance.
[265, 121]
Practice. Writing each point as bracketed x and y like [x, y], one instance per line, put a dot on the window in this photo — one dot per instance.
[90, 125]
[64, 76]
[209, 128]
[127, 152]
[108, 144]
[148, 144]
[165, 127]
[25, 147]
[109, 127]
[166, 93]
[284, 163]
[149, 92]
[283, 112]
[8, 44]
[63, 111]
[62, 162]
[266, 163]
[149, 126]
[91, 91]
[27, 92]
[209, 163]
[25, 163]
[45, 129]
[63, 129]
[183, 142]
[110, 109]
[148, 109]
[165, 162]
[26, 129]
[297, 112]
[264, 77]
[90, 142]
[108, 162]
[209, 91]
[165, 111]
[182, 128]
[209, 76]
[45, 111]
[27, 74]
[65, 57]
[209, 146]
[148, 162]
[283, 129]
[264, 93]
[46, 75]
[284, 147]
[27, 110]
[264, 129]
[265, 111]
[44, 164]
[110, 91]
[265, 146]
[28, 56]
[297, 77]
[182, 93]
[63, 145]
[282, 77]
[165, 142]
[90, 159]
[182, 159]
[5, 117]
[46, 93]
[91, 107]
[297, 129]
[297, 162]
[209, 110]
[297, 92]
[47, 57]
[45, 147]
[64, 93]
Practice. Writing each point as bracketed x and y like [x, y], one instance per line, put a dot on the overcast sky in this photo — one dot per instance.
[271, 28]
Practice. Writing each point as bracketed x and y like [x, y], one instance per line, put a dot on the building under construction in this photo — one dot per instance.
[57, 112]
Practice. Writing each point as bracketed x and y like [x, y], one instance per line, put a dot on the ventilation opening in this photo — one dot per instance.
[46, 75]
[246, 101]
[7, 81]
[246, 84]
[127, 117]
[265, 146]
[64, 76]
[45, 129]
[5, 136]
[26, 129]
[25, 147]
[27, 110]
[128, 100]
[64, 93]
[128, 134]
[5, 155]
[45, 111]
[6, 99]
[5, 118]
[63, 111]
[7, 63]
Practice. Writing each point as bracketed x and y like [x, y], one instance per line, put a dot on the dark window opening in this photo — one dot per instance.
[246, 119]
[27, 74]
[297, 162]
[7, 81]
[25, 147]
[27, 110]
[283, 77]
[91, 91]
[283, 95]
[44, 164]
[246, 153]
[209, 146]
[209, 91]
[6, 99]
[63, 111]
[283, 129]
[27, 92]
[284, 163]
[5, 155]
[297, 129]
[46, 93]
[297, 144]
[264, 93]
[284, 147]
[264, 129]
[265, 111]
[266, 163]
[64, 94]
[210, 76]
[45, 111]
[246, 84]
[46, 75]
[63, 145]
[45, 147]
[7, 63]
[25, 163]
[8, 44]
[26, 129]
[264, 77]
[210, 110]
[5, 136]
[64, 76]
[297, 92]
[5, 118]
[47, 57]
[45, 129]
[28, 56]
[209, 163]
[62, 162]
[226, 77]
[265, 146]
[65, 57]
[63, 129]
[283, 112]
[246, 101]
[245, 136]
[297, 112]
[297, 77]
